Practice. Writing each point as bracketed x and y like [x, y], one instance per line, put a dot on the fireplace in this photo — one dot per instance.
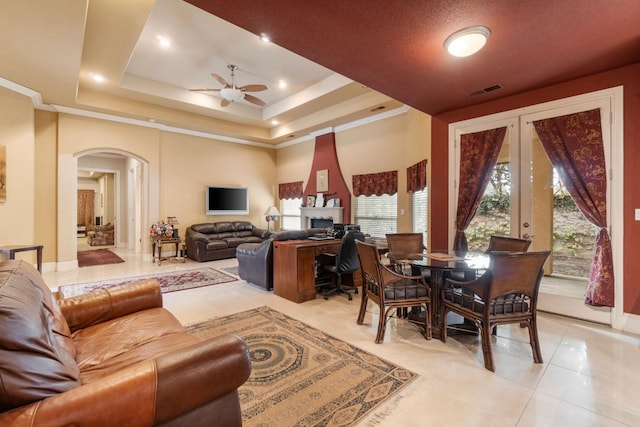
[329, 214]
[321, 222]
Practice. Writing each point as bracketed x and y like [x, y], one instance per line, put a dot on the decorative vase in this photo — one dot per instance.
[175, 233]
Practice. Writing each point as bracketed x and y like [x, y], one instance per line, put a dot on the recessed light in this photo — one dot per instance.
[282, 84]
[163, 41]
[264, 38]
[274, 122]
[467, 41]
[98, 78]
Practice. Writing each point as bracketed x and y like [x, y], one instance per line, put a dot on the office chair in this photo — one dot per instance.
[346, 261]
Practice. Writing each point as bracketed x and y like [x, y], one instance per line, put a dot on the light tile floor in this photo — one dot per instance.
[590, 377]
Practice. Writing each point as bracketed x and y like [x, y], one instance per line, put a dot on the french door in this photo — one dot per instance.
[525, 179]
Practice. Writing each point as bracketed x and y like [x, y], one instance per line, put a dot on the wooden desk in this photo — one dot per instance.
[11, 250]
[294, 267]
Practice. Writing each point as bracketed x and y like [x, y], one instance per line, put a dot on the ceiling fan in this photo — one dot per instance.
[232, 93]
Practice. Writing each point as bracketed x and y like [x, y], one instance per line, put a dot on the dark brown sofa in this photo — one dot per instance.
[255, 260]
[217, 240]
[109, 358]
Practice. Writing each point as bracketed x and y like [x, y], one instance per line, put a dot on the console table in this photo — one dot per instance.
[11, 250]
[294, 267]
[157, 243]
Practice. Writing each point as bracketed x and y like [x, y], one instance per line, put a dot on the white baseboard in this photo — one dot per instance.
[67, 265]
[631, 323]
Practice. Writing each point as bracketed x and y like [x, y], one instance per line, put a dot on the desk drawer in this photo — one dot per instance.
[328, 248]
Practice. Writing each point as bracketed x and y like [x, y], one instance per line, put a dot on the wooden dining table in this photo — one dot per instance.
[442, 265]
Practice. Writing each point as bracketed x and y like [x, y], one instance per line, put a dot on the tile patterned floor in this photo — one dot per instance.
[590, 377]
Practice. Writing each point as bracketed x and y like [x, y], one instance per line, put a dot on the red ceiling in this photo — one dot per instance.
[396, 46]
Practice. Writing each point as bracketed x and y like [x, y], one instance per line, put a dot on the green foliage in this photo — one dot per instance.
[494, 204]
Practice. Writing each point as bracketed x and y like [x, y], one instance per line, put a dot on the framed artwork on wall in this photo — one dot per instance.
[322, 180]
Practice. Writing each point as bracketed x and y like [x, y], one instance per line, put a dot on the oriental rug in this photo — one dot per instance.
[302, 376]
[97, 257]
[169, 282]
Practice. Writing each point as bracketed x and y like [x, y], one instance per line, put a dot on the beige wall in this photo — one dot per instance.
[45, 190]
[17, 213]
[393, 143]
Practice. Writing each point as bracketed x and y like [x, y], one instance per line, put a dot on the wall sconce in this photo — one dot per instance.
[272, 214]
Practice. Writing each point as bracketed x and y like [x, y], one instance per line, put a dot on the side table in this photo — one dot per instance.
[158, 243]
[11, 250]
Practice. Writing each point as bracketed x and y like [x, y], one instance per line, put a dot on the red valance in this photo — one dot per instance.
[375, 183]
[417, 177]
[290, 190]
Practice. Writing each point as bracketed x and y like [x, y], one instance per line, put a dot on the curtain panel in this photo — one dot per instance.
[85, 207]
[375, 184]
[478, 156]
[575, 146]
[290, 190]
[417, 177]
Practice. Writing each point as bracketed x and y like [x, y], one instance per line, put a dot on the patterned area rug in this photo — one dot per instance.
[97, 257]
[302, 376]
[169, 282]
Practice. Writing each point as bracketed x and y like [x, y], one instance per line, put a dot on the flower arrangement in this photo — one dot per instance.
[161, 229]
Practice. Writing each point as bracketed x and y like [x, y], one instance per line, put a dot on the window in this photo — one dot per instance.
[420, 211]
[377, 215]
[290, 214]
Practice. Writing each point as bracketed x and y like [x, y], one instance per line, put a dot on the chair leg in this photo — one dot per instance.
[382, 324]
[443, 316]
[363, 308]
[485, 330]
[533, 338]
[427, 322]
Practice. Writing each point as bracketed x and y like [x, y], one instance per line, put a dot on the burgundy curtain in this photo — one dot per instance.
[478, 156]
[417, 177]
[290, 190]
[375, 183]
[574, 145]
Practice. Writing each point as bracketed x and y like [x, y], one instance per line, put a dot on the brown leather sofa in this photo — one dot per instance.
[255, 260]
[217, 240]
[109, 358]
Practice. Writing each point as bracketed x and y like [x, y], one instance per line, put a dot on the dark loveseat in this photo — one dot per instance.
[217, 240]
[112, 357]
[255, 260]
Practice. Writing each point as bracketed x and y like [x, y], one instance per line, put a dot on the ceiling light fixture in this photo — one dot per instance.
[282, 84]
[467, 41]
[264, 38]
[232, 94]
[163, 41]
[274, 122]
[98, 78]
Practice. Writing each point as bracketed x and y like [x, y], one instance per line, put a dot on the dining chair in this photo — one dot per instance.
[506, 293]
[401, 246]
[510, 244]
[345, 261]
[390, 290]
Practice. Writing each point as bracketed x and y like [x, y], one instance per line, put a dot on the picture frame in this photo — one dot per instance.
[311, 201]
[322, 180]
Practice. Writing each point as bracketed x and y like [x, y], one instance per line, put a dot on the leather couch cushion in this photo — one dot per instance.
[37, 355]
[243, 226]
[216, 244]
[225, 227]
[206, 228]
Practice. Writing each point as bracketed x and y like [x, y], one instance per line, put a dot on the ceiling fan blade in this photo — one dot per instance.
[252, 99]
[205, 90]
[253, 88]
[220, 79]
[225, 102]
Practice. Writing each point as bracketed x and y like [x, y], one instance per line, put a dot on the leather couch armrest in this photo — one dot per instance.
[106, 304]
[197, 237]
[147, 393]
[263, 234]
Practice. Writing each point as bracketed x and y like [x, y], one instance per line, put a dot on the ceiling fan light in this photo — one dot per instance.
[231, 94]
[467, 41]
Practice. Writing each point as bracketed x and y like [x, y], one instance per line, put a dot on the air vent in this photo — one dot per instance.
[382, 107]
[486, 90]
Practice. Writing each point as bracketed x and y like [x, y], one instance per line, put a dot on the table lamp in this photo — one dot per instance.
[272, 214]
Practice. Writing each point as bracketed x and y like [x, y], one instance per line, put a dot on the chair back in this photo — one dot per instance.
[509, 244]
[401, 245]
[347, 258]
[368, 254]
[516, 273]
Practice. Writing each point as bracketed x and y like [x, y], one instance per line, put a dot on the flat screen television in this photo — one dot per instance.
[226, 200]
